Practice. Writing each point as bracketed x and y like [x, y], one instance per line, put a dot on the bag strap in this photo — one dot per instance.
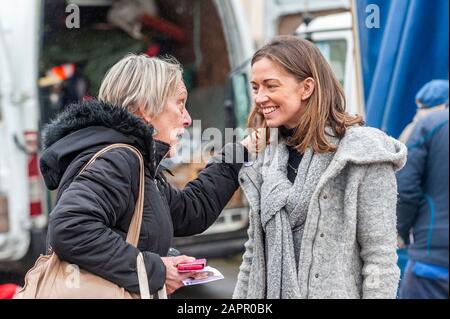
[136, 221]
[143, 281]
[135, 225]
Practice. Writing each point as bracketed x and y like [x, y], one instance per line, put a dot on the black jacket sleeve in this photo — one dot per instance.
[409, 179]
[198, 205]
[80, 224]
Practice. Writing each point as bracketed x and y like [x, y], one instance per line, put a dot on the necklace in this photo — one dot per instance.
[293, 168]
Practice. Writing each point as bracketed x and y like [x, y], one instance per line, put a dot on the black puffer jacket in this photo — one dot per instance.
[89, 222]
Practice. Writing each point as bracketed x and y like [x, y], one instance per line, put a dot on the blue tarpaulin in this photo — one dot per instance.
[407, 49]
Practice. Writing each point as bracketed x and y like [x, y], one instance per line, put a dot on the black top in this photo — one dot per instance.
[294, 156]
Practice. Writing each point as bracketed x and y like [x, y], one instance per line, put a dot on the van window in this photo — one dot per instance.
[335, 52]
[241, 100]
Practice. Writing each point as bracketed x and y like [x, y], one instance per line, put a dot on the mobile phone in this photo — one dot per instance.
[197, 264]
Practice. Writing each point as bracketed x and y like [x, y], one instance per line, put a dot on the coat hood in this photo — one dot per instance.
[367, 145]
[86, 128]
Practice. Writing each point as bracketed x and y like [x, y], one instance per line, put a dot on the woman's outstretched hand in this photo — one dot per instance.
[174, 279]
[255, 142]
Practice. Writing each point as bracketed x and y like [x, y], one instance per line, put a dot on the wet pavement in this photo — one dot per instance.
[220, 289]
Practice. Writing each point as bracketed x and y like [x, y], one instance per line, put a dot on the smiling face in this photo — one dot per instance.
[278, 94]
[294, 86]
[171, 122]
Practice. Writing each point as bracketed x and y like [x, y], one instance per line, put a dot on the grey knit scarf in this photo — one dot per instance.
[284, 208]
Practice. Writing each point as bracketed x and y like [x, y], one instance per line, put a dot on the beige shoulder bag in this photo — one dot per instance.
[53, 278]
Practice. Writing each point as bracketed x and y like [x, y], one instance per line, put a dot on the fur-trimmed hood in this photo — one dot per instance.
[87, 127]
[94, 113]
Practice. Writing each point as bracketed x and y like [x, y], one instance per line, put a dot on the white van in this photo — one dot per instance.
[21, 206]
[214, 47]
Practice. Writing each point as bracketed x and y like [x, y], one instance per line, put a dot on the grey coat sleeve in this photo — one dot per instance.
[241, 289]
[376, 232]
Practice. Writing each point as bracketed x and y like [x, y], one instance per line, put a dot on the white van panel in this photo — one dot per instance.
[19, 37]
[328, 23]
[339, 27]
[276, 9]
[236, 30]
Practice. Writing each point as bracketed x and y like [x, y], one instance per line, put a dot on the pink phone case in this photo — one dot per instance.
[198, 264]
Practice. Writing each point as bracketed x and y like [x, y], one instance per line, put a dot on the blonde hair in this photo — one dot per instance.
[325, 107]
[138, 80]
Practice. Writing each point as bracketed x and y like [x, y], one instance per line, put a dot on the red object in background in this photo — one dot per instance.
[166, 27]
[88, 98]
[63, 71]
[34, 182]
[7, 291]
[153, 50]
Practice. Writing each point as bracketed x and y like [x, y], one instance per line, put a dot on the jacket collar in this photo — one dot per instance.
[360, 145]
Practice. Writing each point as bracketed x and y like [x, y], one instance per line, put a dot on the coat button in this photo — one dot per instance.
[322, 235]
[316, 275]
[325, 197]
[241, 180]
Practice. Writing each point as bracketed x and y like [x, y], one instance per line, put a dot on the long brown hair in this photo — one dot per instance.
[325, 107]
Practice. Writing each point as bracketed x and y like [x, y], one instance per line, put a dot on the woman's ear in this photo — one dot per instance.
[308, 88]
[143, 114]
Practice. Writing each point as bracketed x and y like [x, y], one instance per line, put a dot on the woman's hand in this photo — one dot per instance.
[174, 279]
[255, 142]
[400, 243]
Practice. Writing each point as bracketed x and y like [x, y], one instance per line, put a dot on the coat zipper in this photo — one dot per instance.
[156, 170]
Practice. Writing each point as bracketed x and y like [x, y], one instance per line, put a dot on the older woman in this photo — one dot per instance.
[141, 103]
[323, 193]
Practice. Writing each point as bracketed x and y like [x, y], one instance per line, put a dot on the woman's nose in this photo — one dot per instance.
[187, 121]
[261, 97]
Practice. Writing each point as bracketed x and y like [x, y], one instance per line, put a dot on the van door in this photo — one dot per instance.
[237, 33]
[240, 48]
[19, 23]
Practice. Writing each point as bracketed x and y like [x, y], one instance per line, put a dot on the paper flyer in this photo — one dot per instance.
[213, 275]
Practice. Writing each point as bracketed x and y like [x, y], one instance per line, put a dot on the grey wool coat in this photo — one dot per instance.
[349, 241]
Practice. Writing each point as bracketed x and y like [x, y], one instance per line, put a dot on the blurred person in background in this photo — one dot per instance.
[423, 204]
[142, 104]
[430, 98]
[322, 194]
